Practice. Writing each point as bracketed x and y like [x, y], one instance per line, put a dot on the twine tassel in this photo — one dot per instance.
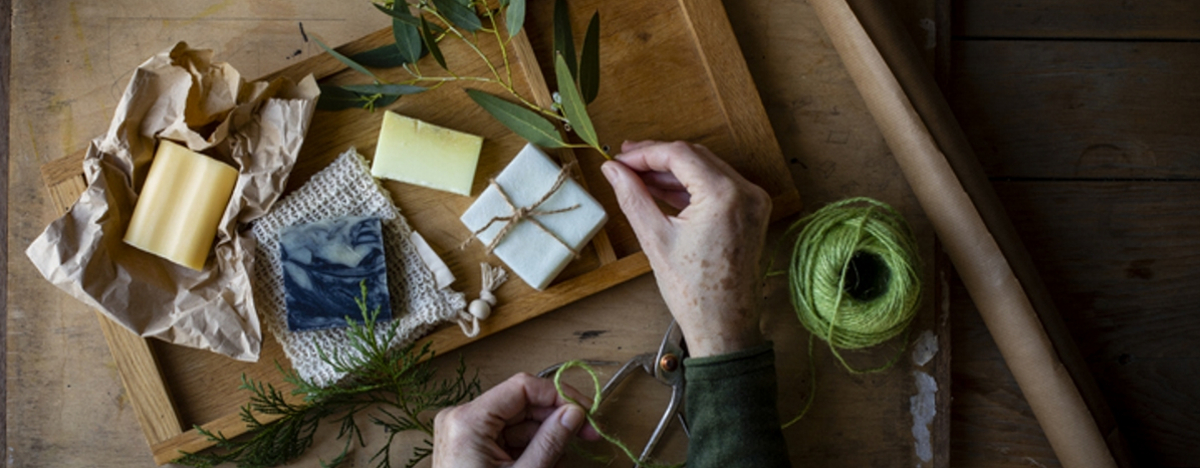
[480, 309]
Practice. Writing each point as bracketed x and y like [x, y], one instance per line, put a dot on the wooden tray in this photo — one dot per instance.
[670, 70]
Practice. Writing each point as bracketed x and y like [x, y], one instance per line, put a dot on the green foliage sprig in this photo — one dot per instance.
[471, 21]
[394, 387]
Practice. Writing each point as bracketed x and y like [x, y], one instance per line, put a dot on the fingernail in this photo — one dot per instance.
[572, 417]
[609, 171]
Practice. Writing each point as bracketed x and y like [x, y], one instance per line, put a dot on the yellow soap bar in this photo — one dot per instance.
[416, 152]
[181, 203]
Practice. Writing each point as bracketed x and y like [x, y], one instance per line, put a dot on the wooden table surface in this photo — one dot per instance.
[1081, 135]
[1084, 114]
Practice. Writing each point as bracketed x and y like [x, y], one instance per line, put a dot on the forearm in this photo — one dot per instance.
[731, 411]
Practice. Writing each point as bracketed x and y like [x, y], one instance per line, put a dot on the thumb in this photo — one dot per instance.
[644, 216]
[551, 439]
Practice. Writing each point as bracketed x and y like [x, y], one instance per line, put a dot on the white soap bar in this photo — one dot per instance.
[182, 201]
[530, 252]
[416, 152]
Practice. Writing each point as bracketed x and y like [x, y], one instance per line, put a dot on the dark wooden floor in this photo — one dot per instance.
[1086, 115]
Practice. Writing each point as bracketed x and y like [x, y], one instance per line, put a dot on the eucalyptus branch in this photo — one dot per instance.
[416, 35]
[503, 44]
[454, 30]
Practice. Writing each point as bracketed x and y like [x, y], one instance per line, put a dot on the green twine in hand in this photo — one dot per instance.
[853, 277]
[591, 411]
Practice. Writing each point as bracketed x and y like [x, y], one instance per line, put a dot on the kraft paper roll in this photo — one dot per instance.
[978, 238]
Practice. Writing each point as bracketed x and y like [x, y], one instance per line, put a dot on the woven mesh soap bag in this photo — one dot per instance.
[346, 188]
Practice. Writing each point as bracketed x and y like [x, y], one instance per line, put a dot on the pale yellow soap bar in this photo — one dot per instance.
[416, 152]
[182, 201]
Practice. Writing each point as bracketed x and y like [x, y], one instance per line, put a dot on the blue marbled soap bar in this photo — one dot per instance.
[324, 264]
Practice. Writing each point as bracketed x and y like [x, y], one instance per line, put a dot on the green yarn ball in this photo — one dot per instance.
[854, 273]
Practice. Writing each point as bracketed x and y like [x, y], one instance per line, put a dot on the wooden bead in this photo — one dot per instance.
[480, 309]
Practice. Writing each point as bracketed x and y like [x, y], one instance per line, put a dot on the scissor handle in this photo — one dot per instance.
[640, 362]
[667, 367]
[672, 410]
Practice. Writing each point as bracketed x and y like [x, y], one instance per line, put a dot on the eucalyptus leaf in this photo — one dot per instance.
[387, 56]
[334, 98]
[504, 3]
[383, 100]
[564, 42]
[399, 14]
[408, 38]
[459, 14]
[572, 103]
[344, 59]
[522, 121]
[407, 18]
[514, 16]
[589, 61]
[431, 43]
[387, 89]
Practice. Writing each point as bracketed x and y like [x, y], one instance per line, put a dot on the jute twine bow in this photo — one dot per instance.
[528, 213]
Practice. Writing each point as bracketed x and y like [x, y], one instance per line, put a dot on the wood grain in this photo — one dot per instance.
[138, 367]
[656, 37]
[734, 90]
[5, 60]
[1078, 110]
[834, 151]
[195, 380]
[148, 393]
[1103, 109]
[1074, 19]
[65, 400]
[1121, 260]
[1120, 263]
[831, 147]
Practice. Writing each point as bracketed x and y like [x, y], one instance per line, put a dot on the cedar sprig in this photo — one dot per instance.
[393, 387]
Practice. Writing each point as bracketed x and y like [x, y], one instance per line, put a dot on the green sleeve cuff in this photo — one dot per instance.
[722, 366]
[731, 410]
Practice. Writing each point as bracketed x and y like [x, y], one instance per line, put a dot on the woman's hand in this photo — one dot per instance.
[522, 422]
[706, 258]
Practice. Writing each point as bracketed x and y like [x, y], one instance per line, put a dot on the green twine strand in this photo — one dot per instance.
[854, 279]
[590, 412]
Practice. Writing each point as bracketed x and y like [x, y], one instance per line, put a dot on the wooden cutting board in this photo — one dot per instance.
[670, 70]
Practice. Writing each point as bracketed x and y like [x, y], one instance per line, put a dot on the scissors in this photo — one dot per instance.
[666, 366]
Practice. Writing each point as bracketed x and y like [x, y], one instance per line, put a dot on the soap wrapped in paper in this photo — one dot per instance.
[181, 203]
[182, 95]
[559, 221]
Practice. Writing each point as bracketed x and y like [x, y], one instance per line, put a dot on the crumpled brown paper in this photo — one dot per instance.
[181, 95]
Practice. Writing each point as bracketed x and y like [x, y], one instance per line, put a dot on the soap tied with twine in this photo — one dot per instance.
[529, 213]
[534, 217]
